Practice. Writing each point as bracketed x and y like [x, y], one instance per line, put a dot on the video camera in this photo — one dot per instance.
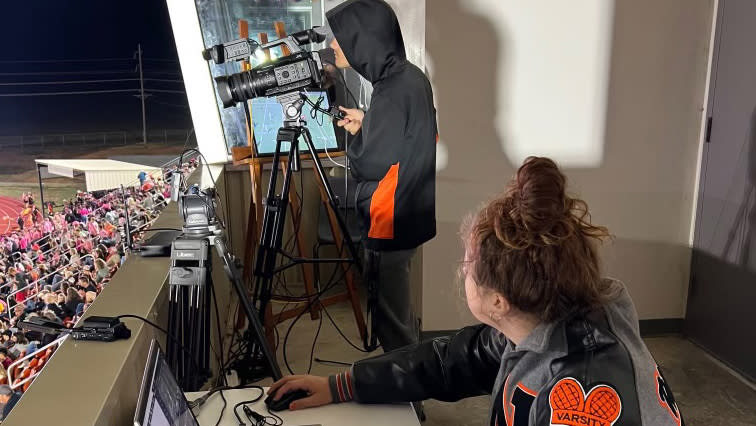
[299, 71]
[197, 208]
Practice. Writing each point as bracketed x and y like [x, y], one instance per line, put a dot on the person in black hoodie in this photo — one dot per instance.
[393, 157]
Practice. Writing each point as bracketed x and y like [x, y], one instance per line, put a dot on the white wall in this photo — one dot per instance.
[200, 89]
[612, 93]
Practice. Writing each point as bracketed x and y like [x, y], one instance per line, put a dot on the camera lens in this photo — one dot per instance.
[224, 91]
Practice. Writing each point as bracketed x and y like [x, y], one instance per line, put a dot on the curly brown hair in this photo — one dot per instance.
[535, 245]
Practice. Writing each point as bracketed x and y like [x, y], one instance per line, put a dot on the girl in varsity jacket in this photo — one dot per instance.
[558, 344]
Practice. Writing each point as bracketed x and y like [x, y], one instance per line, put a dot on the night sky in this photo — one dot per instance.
[88, 29]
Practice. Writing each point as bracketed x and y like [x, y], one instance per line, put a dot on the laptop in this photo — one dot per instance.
[161, 401]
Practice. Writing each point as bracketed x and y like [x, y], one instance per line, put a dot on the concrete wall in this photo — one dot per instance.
[637, 175]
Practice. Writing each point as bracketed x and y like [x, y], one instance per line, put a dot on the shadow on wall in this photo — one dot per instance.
[463, 62]
[657, 70]
[462, 58]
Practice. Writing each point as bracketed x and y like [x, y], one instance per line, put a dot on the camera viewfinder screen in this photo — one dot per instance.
[267, 118]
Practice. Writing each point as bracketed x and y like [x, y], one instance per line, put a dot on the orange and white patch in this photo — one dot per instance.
[572, 406]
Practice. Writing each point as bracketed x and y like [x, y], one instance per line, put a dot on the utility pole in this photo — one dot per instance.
[142, 95]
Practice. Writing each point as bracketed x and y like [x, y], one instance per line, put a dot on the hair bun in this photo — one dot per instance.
[540, 209]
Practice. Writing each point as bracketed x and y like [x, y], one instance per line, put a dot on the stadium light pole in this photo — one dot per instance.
[142, 95]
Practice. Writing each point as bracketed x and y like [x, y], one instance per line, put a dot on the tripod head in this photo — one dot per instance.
[292, 104]
[197, 208]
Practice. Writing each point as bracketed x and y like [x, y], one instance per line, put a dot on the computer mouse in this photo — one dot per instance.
[285, 400]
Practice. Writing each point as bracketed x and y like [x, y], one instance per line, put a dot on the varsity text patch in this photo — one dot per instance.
[571, 406]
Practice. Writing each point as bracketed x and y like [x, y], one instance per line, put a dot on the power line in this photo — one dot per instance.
[168, 104]
[161, 72]
[34, 83]
[86, 92]
[68, 72]
[165, 91]
[45, 61]
[163, 80]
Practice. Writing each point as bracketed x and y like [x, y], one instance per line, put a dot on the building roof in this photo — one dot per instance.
[99, 174]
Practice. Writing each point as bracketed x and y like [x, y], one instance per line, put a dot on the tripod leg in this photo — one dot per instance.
[307, 268]
[249, 309]
[278, 222]
[270, 211]
[341, 237]
[172, 324]
[331, 199]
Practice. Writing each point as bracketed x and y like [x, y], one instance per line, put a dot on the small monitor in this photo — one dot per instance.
[267, 118]
[161, 401]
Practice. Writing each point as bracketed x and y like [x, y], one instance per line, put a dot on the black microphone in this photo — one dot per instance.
[314, 35]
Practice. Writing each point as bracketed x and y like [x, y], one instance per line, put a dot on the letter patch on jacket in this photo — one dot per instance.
[516, 407]
[666, 399]
[572, 406]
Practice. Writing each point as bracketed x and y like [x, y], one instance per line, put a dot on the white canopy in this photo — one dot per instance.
[99, 174]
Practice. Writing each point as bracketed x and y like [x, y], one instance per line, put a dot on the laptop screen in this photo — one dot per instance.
[267, 118]
[161, 401]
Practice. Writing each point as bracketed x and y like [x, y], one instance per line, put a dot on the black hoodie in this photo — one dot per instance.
[393, 158]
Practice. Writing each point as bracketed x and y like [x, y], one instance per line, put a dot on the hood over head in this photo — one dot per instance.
[369, 34]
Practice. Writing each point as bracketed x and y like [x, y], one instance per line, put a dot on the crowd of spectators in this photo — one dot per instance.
[55, 266]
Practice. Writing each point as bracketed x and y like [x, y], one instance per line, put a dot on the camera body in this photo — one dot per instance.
[298, 71]
[295, 72]
[197, 208]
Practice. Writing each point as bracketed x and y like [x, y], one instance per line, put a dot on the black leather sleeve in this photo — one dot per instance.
[447, 369]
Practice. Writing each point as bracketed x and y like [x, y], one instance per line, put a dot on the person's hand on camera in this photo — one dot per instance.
[353, 120]
[317, 388]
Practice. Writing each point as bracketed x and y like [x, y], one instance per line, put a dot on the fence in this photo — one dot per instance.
[165, 136]
[25, 374]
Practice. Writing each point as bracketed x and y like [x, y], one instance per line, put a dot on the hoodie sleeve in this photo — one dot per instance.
[447, 369]
[381, 141]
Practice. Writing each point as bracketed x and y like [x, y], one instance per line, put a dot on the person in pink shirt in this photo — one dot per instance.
[93, 228]
[47, 226]
[23, 243]
[84, 212]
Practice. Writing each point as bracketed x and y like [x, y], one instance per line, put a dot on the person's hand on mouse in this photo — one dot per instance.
[317, 388]
[353, 120]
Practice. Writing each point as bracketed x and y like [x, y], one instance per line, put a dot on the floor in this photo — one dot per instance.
[706, 392]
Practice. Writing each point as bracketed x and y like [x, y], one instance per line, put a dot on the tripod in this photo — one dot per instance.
[276, 205]
[190, 289]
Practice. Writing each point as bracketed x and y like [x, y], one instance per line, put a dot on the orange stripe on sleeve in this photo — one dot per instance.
[382, 206]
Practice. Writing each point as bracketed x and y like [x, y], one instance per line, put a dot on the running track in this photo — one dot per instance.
[10, 208]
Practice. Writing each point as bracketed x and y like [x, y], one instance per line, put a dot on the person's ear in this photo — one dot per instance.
[500, 306]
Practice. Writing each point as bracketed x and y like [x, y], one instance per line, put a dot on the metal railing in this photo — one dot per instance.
[62, 249]
[36, 285]
[19, 364]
